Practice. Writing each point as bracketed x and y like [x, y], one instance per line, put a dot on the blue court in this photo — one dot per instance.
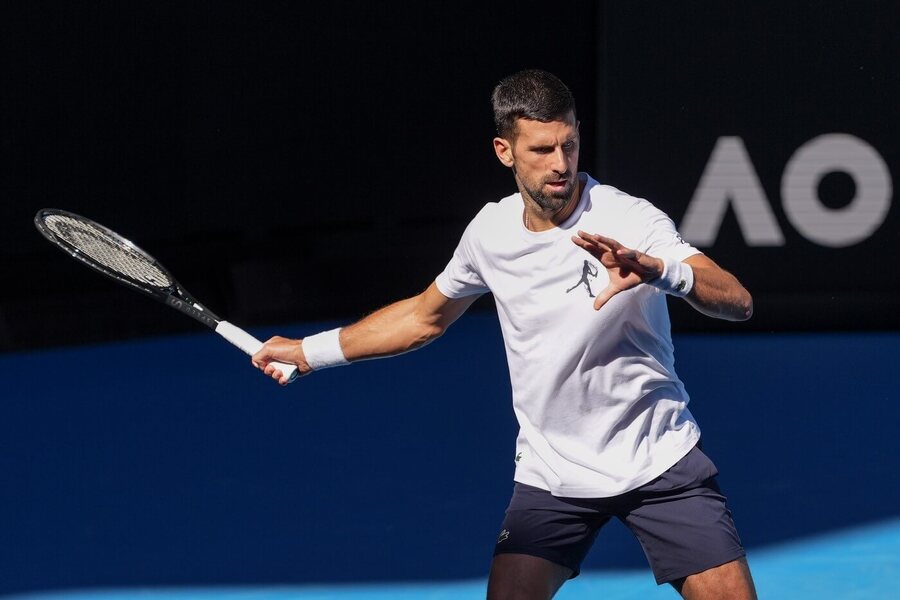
[170, 481]
[857, 564]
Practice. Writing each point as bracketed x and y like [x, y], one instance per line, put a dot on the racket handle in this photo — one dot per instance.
[251, 346]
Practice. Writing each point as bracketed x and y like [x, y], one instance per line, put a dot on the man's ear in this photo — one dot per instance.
[503, 149]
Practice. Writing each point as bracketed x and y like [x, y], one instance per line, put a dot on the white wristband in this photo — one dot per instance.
[677, 278]
[323, 350]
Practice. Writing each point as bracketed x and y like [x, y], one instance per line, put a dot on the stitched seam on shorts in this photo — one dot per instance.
[644, 547]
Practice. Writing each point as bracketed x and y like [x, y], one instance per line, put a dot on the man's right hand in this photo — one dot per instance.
[284, 350]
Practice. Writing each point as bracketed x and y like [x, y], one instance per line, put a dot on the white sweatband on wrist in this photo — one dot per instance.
[677, 278]
[323, 350]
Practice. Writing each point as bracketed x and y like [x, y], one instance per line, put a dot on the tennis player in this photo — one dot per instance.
[580, 272]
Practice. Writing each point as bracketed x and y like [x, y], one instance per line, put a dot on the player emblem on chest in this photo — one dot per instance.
[589, 272]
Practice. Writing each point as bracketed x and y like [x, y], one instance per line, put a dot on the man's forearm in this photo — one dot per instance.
[717, 293]
[394, 329]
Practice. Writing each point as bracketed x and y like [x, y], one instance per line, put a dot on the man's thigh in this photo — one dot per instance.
[731, 581]
[558, 530]
[525, 577]
[683, 522]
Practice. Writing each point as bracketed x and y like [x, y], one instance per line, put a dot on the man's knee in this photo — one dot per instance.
[525, 577]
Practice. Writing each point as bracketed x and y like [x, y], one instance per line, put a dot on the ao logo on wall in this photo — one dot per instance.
[730, 178]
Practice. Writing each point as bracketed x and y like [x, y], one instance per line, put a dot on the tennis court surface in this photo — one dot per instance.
[861, 563]
[196, 484]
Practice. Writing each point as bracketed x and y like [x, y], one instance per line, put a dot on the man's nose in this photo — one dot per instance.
[560, 163]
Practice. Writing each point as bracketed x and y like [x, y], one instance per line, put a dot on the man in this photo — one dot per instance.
[604, 426]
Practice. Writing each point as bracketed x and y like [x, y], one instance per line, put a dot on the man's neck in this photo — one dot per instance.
[537, 219]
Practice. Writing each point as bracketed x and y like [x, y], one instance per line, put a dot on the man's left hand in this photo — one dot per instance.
[627, 268]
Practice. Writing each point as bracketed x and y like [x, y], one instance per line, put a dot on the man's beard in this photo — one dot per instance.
[554, 201]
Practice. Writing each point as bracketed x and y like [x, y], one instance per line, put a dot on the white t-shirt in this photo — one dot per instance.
[600, 408]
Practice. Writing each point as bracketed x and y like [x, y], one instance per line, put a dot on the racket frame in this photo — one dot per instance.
[173, 295]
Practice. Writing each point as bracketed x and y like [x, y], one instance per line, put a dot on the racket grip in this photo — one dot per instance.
[251, 346]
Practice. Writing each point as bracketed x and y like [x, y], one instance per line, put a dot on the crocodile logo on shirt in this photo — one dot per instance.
[588, 272]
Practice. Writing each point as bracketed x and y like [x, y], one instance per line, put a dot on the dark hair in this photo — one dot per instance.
[530, 94]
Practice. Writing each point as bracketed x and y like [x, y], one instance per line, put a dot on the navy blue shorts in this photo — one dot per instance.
[680, 518]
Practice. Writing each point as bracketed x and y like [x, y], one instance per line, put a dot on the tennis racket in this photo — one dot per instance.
[111, 254]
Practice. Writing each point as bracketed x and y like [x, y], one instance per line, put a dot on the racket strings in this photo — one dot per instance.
[114, 253]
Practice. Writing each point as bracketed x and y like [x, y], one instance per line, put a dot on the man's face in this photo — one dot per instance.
[544, 159]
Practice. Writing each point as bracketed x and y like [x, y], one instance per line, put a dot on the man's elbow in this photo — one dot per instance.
[425, 334]
[432, 332]
[744, 306]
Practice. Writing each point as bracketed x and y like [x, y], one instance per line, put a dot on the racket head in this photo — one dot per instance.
[117, 257]
[105, 251]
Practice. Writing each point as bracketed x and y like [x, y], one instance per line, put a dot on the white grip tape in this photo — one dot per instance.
[251, 346]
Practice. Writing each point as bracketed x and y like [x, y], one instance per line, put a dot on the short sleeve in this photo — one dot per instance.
[662, 240]
[461, 277]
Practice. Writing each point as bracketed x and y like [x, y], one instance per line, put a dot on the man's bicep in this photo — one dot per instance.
[700, 260]
[440, 310]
